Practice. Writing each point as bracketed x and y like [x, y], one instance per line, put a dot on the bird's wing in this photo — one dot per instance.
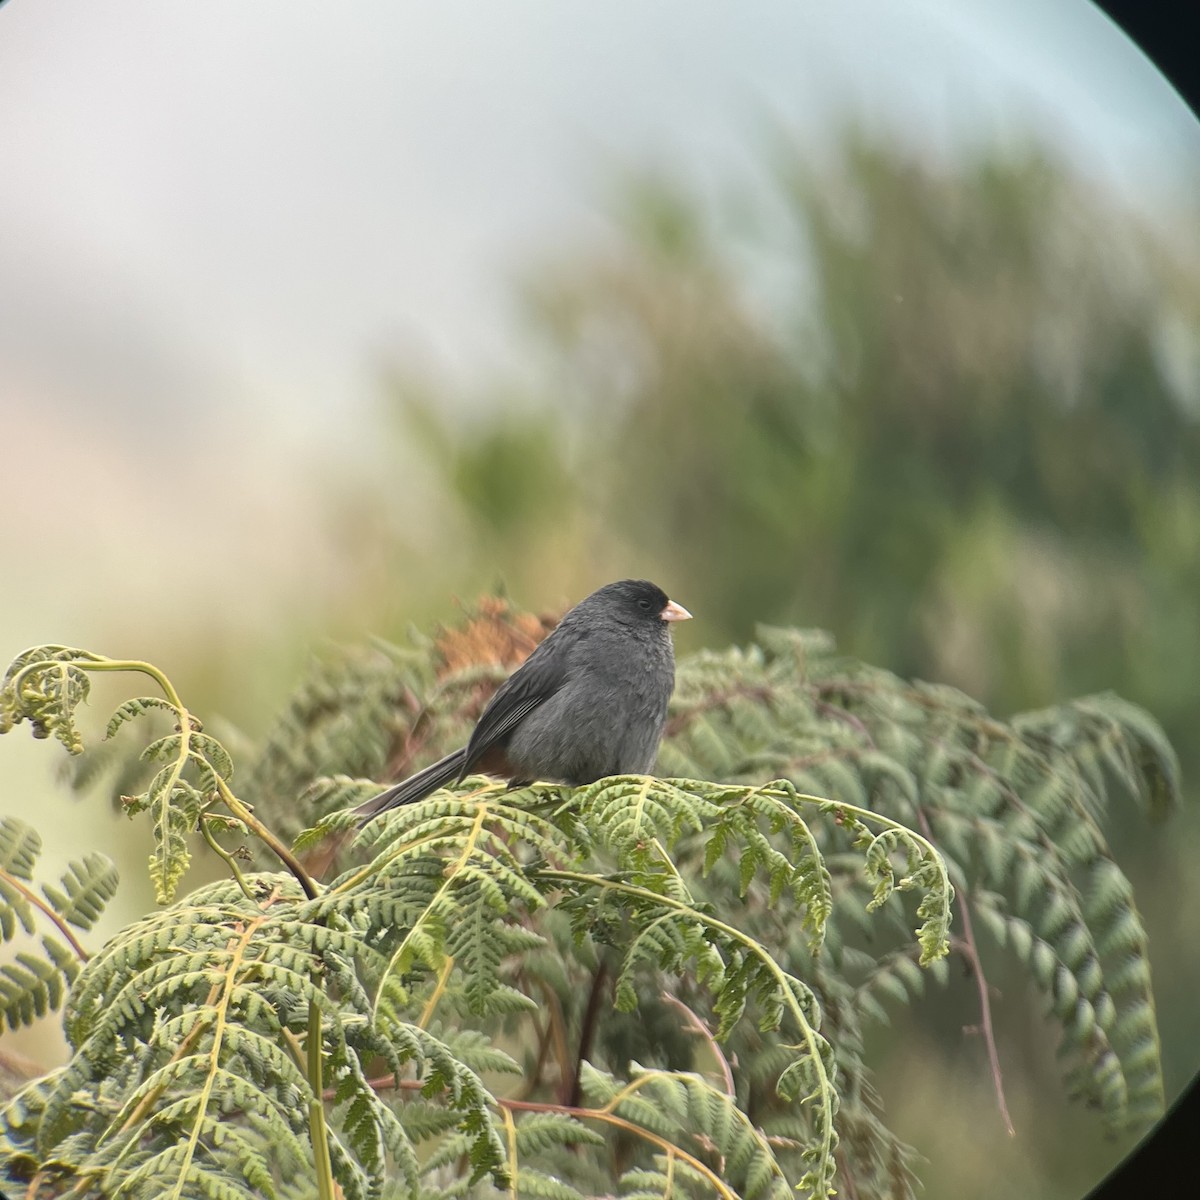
[528, 687]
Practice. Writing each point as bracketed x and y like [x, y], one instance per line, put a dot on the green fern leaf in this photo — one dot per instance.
[87, 886]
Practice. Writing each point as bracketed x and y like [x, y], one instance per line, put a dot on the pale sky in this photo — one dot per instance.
[217, 220]
[242, 206]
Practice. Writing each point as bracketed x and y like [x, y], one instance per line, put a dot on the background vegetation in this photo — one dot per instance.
[948, 410]
[262, 1039]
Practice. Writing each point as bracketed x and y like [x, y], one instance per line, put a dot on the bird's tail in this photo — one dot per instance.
[415, 787]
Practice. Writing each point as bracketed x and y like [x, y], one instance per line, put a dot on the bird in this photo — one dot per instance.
[589, 702]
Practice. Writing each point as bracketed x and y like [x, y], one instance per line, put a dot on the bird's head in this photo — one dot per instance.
[637, 600]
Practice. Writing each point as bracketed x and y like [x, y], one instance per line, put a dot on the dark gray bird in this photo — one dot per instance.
[590, 701]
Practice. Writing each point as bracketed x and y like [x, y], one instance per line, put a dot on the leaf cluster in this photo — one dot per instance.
[37, 980]
[674, 972]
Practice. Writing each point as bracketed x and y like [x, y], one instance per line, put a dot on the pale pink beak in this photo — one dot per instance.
[675, 612]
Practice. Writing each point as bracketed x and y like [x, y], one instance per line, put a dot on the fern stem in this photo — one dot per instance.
[694, 1022]
[971, 952]
[296, 1049]
[557, 1027]
[451, 875]
[587, 1031]
[389, 1082]
[120, 664]
[46, 911]
[221, 852]
[432, 1003]
[218, 1036]
[608, 1118]
[288, 859]
[807, 1032]
[239, 810]
[316, 1107]
[510, 1131]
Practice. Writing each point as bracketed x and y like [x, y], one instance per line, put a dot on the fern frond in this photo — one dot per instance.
[87, 886]
[136, 707]
[44, 686]
[241, 979]
[34, 985]
[1110, 734]
[336, 797]
[701, 1135]
[346, 718]
[747, 971]
[198, 766]
[595, 941]
[466, 916]
[30, 986]
[1015, 808]
[20, 845]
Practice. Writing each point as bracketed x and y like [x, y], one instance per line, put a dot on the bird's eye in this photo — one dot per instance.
[644, 604]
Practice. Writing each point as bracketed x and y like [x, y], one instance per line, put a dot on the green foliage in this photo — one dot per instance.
[44, 686]
[206, 1007]
[945, 408]
[1015, 808]
[347, 720]
[676, 973]
[687, 1110]
[35, 984]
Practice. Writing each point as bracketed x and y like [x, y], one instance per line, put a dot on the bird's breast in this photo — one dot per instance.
[607, 718]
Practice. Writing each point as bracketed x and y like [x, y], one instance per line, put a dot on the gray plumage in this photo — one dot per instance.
[590, 701]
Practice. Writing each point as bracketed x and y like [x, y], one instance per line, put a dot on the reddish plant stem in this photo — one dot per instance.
[970, 951]
[587, 1031]
[46, 912]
